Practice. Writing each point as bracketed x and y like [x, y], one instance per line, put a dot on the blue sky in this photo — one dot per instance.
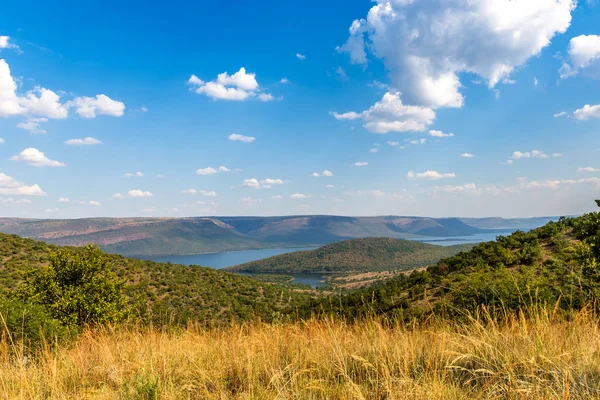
[420, 107]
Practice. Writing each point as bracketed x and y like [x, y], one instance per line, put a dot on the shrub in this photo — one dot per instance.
[28, 324]
[77, 288]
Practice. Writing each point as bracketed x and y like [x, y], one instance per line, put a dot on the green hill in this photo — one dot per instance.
[557, 265]
[163, 292]
[356, 255]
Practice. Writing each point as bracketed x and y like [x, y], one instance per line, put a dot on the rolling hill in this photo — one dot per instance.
[163, 293]
[171, 236]
[356, 255]
[552, 266]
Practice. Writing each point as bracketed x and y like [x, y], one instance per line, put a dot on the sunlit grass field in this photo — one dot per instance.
[531, 355]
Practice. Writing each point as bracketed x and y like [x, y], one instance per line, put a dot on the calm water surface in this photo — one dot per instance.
[229, 259]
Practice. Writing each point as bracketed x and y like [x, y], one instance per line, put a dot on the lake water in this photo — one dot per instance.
[477, 238]
[229, 259]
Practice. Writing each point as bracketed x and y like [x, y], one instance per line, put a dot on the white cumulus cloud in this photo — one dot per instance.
[467, 155]
[132, 174]
[206, 171]
[88, 141]
[300, 196]
[237, 87]
[391, 115]
[587, 112]
[587, 169]
[430, 175]
[133, 193]
[90, 107]
[11, 186]
[426, 45]
[440, 134]
[241, 138]
[36, 158]
[584, 56]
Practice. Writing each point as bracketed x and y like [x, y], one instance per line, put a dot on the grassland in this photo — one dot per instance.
[529, 355]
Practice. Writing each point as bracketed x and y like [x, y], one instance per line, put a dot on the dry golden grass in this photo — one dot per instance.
[535, 356]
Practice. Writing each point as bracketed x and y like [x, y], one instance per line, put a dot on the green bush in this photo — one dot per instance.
[28, 324]
[77, 288]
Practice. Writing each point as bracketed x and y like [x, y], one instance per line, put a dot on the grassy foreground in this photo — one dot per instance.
[535, 355]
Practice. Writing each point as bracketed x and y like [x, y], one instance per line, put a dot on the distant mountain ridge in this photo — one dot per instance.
[173, 236]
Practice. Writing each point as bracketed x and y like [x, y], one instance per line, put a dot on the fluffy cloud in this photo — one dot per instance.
[560, 114]
[132, 174]
[41, 104]
[237, 87]
[374, 150]
[133, 193]
[88, 141]
[270, 182]
[64, 200]
[90, 107]
[94, 203]
[587, 169]
[252, 183]
[584, 55]
[241, 138]
[587, 112]
[391, 115]
[440, 134]
[5, 43]
[11, 186]
[361, 164]
[426, 44]
[430, 175]
[9, 101]
[206, 171]
[36, 158]
[301, 57]
[324, 173]
[300, 196]
[1, 140]
[264, 184]
[467, 155]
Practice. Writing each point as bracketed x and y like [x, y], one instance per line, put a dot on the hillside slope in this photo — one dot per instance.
[556, 265]
[163, 292]
[170, 236]
[356, 255]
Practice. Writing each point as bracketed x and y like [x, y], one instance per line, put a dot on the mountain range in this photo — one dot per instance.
[173, 236]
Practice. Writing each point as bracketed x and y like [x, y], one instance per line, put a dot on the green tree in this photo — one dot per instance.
[78, 288]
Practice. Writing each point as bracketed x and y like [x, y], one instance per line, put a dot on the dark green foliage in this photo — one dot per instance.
[356, 255]
[29, 324]
[77, 288]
